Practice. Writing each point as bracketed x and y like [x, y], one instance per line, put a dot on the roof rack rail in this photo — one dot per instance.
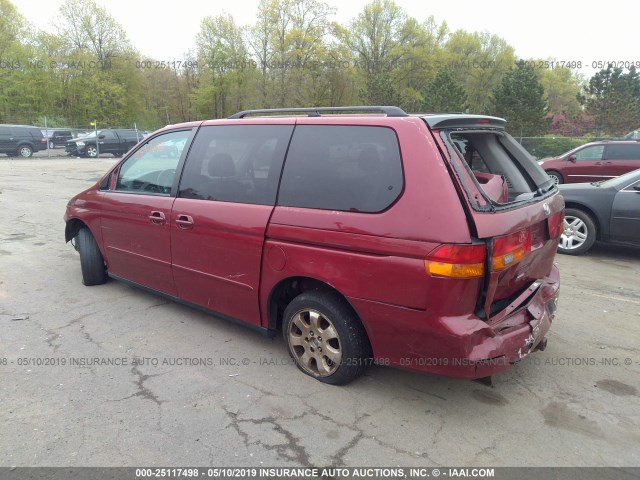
[316, 111]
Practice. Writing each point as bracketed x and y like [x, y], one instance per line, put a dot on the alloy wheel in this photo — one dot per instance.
[575, 233]
[314, 342]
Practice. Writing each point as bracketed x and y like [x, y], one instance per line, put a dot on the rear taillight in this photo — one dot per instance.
[510, 249]
[556, 224]
[456, 261]
[43, 140]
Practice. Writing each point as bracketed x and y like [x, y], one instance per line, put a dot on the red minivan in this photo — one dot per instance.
[365, 235]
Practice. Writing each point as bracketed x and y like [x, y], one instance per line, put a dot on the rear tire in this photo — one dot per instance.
[25, 151]
[556, 177]
[91, 261]
[325, 337]
[579, 232]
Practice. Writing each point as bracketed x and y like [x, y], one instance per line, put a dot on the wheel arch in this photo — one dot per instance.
[72, 228]
[555, 171]
[288, 288]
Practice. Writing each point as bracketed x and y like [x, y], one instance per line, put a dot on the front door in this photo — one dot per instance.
[137, 213]
[625, 215]
[585, 165]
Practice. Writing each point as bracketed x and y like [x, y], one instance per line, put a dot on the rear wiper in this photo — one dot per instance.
[545, 187]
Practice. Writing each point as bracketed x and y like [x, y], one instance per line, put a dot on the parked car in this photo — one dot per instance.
[21, 140]
[608, 211]
[594, 162]
[363, 238]
[57, 138]
[116, 141]
[635, 135]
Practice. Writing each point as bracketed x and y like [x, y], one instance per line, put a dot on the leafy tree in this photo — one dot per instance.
[478, 60]
[613, 98]
[379, 89]
[88, 26]
[394, 53]
[14, 56]
[375, 36]
[224, 67]
[444, 94]
[562, 90]
[289, 41]
[519, 98]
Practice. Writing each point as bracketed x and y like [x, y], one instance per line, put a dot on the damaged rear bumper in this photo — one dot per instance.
[464, 346]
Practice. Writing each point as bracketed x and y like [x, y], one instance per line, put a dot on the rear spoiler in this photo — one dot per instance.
[462, 120]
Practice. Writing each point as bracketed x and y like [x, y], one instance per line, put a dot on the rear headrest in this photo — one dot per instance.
[221, 165]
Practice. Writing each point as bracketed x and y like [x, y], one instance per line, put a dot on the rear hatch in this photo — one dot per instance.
[512, 206]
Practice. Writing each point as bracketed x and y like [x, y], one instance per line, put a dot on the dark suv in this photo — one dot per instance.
[424, 242]
[594, 162]
[21, 140]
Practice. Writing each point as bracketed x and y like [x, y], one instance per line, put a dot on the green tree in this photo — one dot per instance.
[88, 26]
[372, 38]
[98, 69]
[15, 56]
[289, 45]
[444, 94]
[225, 69]
[562, 90]
[380, 89]
[519, 98]
[478, 60]
[613, 98]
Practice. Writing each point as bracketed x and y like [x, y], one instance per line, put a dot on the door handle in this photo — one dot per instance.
[157, 218]
[184, 222]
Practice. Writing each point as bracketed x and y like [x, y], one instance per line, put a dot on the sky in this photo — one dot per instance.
[567, 30]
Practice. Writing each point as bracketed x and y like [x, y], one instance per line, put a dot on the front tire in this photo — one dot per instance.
[91, 261]
[91, 151]
[325, 337]
[556, 177]
[579, 232]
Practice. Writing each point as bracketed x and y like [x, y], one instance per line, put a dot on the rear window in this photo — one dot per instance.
[623, 152]
[502, 169]
[347, 168]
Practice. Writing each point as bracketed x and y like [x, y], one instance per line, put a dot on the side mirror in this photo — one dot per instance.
[572, 158]
[101, 136]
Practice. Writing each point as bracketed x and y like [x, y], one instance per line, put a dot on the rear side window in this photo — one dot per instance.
[236, 163]
[345, 168]
[623, 152]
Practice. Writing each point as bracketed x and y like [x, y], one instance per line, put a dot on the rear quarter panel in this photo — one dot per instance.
[378, 257]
